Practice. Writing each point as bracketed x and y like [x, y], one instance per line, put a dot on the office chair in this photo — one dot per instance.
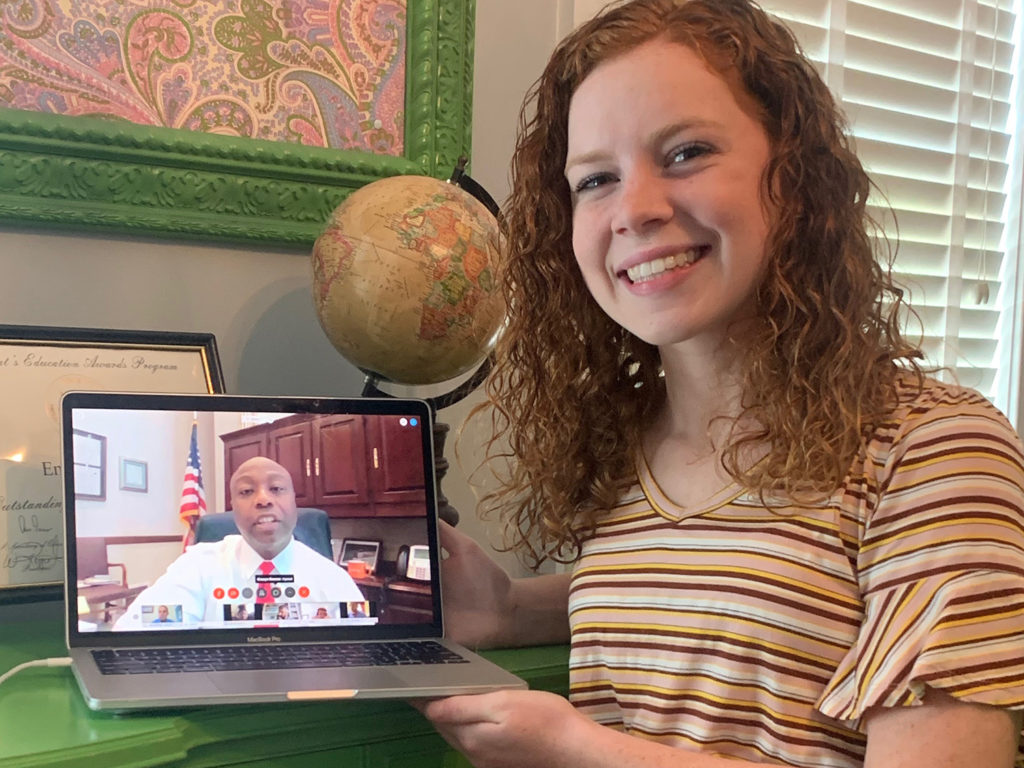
[92, 559]
[312, 528]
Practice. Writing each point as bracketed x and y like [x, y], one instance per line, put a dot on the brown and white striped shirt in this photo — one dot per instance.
[765, 635]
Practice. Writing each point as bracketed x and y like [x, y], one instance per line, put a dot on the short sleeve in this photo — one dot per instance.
[940, 563]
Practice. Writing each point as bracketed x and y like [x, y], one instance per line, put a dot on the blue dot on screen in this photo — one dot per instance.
[414, 422]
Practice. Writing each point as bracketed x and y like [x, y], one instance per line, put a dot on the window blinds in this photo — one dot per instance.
[928, 88]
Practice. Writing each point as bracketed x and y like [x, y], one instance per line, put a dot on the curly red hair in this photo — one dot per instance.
[571, 391]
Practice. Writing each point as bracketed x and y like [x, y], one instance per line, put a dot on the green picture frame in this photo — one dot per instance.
[89, 174]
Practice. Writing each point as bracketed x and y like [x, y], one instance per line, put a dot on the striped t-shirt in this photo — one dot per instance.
[765, 635]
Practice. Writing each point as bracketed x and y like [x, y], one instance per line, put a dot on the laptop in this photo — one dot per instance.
[194, 577]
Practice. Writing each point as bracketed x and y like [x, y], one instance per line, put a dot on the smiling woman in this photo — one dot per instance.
[667, 168]
[786, 538]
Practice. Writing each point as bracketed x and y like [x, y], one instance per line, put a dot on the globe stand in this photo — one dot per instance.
[445, 510]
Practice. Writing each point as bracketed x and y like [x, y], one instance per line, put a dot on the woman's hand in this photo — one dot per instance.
[484, 608]
[511, 729]
[477, 593]
[535, 729]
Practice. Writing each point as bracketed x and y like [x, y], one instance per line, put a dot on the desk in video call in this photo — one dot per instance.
[44, 722]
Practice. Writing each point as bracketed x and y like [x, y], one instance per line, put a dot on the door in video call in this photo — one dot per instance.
[245, 519]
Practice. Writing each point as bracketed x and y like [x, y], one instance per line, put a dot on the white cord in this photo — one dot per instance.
[57, 661]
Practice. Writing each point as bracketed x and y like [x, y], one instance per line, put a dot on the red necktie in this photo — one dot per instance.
[266, 568]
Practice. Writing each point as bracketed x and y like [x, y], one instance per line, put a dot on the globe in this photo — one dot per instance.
[403, 280]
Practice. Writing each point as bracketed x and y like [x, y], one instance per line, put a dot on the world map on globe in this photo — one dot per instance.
[404, 280]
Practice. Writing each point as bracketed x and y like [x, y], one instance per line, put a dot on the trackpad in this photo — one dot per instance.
[283, 680]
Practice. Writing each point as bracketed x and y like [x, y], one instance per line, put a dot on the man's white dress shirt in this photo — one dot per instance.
[209, 575]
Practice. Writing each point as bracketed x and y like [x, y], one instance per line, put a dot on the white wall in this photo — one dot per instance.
[158, 438]
[583, 10]
[257, 302]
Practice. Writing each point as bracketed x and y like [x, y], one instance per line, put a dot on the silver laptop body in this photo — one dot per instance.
[132, 497]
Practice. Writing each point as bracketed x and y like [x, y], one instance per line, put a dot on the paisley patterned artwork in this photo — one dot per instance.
[320, 73]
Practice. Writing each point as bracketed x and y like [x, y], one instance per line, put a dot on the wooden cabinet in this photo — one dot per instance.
[238, 450]
[348, 465]
[340, 469]
[397, 479]
[291, 446]
[408, 602]
[399, 601]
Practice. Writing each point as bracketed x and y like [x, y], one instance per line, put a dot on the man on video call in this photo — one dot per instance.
[265, 556]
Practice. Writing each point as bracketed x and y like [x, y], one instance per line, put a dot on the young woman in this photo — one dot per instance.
[789, 545]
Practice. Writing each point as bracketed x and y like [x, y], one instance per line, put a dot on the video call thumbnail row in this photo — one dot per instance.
[274, 612]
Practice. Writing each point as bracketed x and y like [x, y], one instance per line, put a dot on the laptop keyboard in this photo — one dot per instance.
[133, 661]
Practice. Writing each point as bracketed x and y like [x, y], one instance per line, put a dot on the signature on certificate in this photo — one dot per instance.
[34, 553]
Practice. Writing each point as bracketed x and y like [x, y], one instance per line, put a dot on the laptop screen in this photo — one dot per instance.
[227, 516]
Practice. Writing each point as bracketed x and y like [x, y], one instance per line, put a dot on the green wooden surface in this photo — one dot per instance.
[44, 722]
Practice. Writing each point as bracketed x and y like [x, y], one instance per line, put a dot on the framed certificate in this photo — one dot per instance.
[37, 366]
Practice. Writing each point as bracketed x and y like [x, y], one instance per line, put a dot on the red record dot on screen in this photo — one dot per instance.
[233, 593]
[303, 591]
[218, 593]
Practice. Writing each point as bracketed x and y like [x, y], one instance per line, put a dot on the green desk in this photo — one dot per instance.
[44, 722]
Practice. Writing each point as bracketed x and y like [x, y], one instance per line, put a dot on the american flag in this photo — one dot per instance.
[193, 500]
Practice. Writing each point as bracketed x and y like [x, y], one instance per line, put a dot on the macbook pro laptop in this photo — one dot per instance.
[173, 505]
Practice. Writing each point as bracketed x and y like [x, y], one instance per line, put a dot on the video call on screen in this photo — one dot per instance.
[140, 476]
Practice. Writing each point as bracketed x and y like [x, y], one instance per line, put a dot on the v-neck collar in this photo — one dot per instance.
[669, 509]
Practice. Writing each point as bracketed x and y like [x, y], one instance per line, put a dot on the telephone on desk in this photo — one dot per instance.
[413, 563]
[402, 590]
